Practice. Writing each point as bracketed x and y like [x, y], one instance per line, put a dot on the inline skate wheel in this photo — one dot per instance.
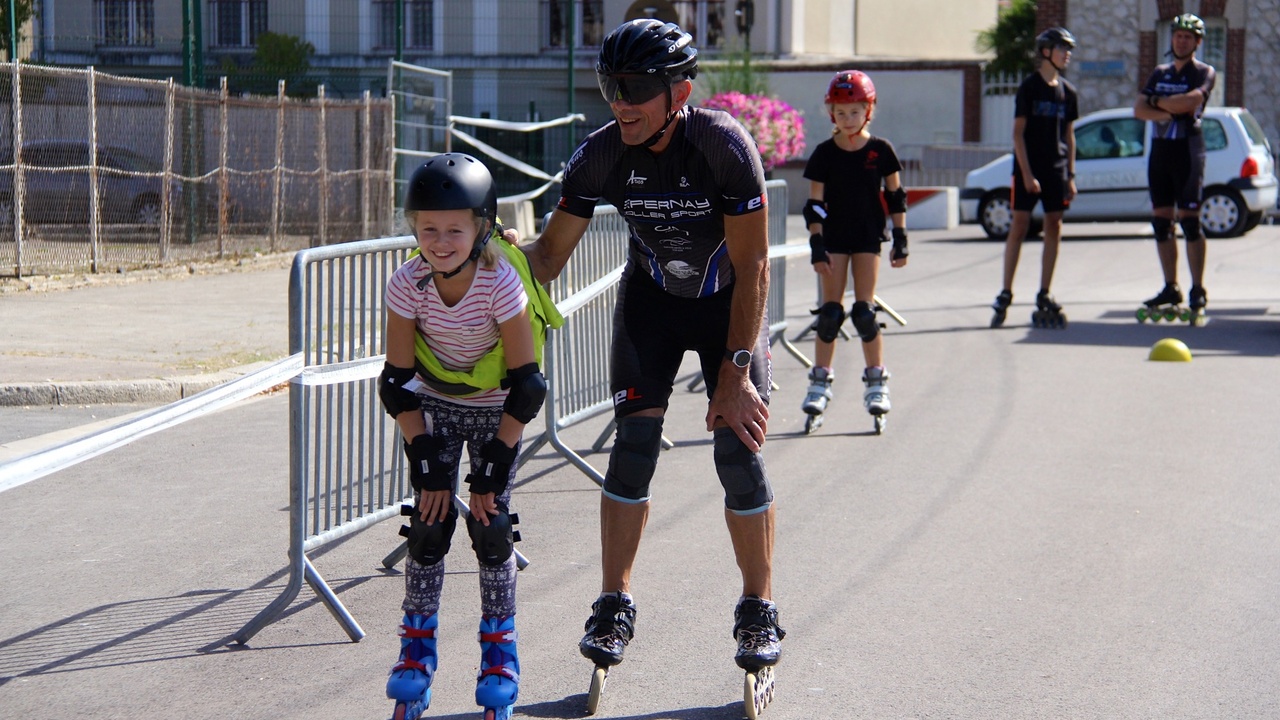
[812, 423]
[757, 692]
[598, 678]
[881, 421]
[1171, 314]
[1141, 315]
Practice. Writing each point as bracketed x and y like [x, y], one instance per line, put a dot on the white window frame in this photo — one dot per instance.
[247, 33]
[139, 23]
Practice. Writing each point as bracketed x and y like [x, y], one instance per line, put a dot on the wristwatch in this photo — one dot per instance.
[740, 358]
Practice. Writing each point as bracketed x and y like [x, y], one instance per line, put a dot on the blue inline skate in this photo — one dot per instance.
[498, 683]
[410, 681]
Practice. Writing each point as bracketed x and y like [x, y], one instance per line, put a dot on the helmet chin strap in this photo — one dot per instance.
[671, 116]
[476, 249]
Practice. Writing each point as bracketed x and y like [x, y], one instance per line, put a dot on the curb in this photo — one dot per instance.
[117, 392]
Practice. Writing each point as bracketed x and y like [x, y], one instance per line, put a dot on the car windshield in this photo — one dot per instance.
[128, 160]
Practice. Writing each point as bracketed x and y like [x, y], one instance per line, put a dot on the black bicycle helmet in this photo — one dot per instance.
[1188, 22]
[455, 181]
[648, 47]
[1055, 37]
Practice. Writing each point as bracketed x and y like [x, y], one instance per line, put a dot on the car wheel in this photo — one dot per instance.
[995, 214]
[146, 211]
[1253, 221]
[1223, 213]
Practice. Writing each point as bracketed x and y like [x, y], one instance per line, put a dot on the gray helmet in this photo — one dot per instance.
[453, 181]
[1188, 22]
[648, 47]
[1055, 37]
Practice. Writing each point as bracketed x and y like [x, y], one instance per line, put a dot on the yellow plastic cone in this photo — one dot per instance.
[1170, 350]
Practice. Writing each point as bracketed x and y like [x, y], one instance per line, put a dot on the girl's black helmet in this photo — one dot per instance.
[648, 47]
[453, 181]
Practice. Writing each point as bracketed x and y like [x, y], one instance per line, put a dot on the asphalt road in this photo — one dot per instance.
[1050, 527]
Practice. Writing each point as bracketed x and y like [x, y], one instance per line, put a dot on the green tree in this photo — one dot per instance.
[22, 13]
[277, 57]
[1012, 39]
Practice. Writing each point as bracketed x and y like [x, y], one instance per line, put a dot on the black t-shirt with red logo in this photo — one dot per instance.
[675, 201]
[851, 186]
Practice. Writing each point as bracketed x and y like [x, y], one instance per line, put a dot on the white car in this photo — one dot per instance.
[1111, 175]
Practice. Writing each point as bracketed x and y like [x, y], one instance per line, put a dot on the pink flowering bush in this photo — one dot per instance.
[777, 127]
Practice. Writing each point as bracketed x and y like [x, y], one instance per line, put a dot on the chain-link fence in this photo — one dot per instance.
[99, 172]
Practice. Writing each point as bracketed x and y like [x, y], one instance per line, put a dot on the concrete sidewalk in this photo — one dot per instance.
[151, 336]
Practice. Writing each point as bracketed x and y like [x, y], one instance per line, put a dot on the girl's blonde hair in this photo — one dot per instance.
[488, 253]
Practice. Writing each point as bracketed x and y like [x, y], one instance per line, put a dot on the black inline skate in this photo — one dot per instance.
[1001, 308]
[1048, 313]
[759, 648]
[1166, 305]
[1198, 298]
[609, 629]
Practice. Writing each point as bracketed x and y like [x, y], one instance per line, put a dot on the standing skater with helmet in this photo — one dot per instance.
[846, 222]
[1173, 99]
[690, 185]
[461, 368]
[1044, 157]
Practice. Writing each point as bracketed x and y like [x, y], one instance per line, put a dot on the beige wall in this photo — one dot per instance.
[922, 29]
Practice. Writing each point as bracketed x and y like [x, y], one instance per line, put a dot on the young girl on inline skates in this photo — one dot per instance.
[847, 227]
[461, 368]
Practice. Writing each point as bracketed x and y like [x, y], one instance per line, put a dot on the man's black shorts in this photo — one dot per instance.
[652, 330]
[1175, 172]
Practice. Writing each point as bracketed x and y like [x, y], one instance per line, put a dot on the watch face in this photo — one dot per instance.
[742, 358]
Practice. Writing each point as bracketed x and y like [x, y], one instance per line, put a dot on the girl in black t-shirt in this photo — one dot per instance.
[846, 222]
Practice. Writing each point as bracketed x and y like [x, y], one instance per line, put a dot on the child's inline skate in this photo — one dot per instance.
[1198, 298]
[1166, 305]
[498, 683]
[1048, 314]
[609, 629]
[1001, 308]
[759, 639]
[410, 681]
[876, 395]
[819, 394]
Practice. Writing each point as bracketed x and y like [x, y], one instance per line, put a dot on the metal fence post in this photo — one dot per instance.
[324, 169]
[278, 171]
[95, 239]
[166, 192]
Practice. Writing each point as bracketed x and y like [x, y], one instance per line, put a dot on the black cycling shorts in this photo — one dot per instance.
[867, 240]
[1175, 172]
[1053, 191]
[652, 330]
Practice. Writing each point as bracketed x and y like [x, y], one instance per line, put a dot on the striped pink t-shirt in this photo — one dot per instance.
[459, 335]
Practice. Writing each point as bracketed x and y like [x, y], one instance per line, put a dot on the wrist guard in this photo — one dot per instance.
[394, 388]
[817, 250]
[427, 470]
[494, 470]
[899, 250]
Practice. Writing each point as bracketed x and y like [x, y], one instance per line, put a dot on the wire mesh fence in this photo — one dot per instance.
[99, 172]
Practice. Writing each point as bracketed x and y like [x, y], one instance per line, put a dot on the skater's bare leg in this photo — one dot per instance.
[621, 525]
[1013, 244]
[752, 537]
[1167, 250]
[832, 286]
[1052, 241]
[866, 271]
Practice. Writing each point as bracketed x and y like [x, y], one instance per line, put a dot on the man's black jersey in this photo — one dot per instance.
[1167, 80]
[675, 201]
[851, 183]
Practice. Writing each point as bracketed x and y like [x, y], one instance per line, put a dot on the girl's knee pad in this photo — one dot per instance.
[634, 458]
[746, 486]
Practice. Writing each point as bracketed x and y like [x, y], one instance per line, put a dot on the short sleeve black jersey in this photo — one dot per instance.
[1049, 110]
[1168, 80]
[851, 183]
[674, 202]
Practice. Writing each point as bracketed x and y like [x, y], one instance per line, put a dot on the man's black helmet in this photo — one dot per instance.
[1188, 22]
[1055, 37]
[453, 181]
[648, 47]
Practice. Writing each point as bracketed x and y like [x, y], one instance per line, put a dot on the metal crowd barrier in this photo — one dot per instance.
[346, 469]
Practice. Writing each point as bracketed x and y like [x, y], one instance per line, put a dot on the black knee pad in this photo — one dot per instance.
[494, 542]
[1163, 228]
[746, 486]
[634, 458]
[428, 544]
[864, 321]
[830, 318]
[1191, 228]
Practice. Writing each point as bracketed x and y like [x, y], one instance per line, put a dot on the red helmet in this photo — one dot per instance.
[850, 86]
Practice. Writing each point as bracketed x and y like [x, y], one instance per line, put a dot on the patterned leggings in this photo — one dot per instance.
[422, 584]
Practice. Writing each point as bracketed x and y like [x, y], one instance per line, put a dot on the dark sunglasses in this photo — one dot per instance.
[635, 89]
